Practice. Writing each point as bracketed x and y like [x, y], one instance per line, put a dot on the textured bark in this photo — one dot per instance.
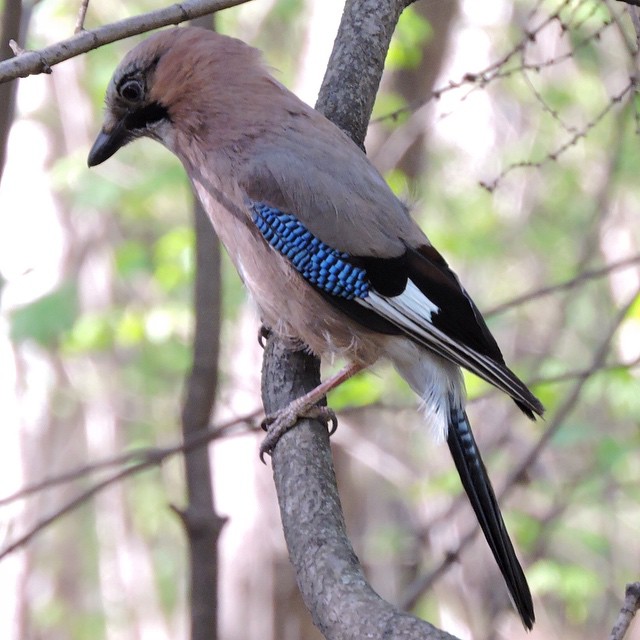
[353, 75]
[329, 575]
[11, 19]
[41, 61]
[333, 586]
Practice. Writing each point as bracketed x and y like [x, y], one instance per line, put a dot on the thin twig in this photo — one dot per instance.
[80, 472]
[546, 106]
[496, 70]
[581, 278]
[82, 14]
[628, 42]
[576, 374]
[34, 62]
[552, 156]
[74, 503]
[145, 456]
[628, 610]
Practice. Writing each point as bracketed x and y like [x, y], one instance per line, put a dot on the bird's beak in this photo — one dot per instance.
[109, 140]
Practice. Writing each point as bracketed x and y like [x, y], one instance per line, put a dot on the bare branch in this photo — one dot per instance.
[581, 278]
[499, 70]
[545, 106]
[34, 62]
[80, 472]
[82, 14]
[75, 502]
[342, 604]
[628, 610]
[552, 156]
[334, 588]
[201, 522]
[147, 458]
[12, 18]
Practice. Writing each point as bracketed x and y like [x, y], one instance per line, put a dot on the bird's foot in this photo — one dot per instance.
[263, 335]
[279, 423]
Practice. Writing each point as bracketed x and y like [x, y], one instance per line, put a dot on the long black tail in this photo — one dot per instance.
[476, 483]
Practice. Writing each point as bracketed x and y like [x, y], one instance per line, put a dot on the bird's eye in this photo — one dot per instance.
[132, 91]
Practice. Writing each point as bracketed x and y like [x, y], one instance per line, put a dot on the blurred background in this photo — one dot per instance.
[512, 130]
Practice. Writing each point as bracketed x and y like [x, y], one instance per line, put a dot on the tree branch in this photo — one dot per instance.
[11, 20]
[331, 581]
[581, 278]
[333, 586]
[34, 62]
[355, 67]
[201, 522]
[628, 610]
[82, 14]
[140, 460]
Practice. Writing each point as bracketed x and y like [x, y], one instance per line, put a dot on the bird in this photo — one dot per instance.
[332, 258]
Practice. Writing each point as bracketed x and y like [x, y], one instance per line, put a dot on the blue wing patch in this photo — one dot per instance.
[319, 264]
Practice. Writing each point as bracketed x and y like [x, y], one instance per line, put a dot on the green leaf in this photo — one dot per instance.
[610, 451]
[132, 257]
[412, 32]
[570, 579]
[174, 258]
[91, 332]
[45, 319]
[358, 391]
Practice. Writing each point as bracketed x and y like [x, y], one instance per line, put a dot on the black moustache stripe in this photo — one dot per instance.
[144, 116]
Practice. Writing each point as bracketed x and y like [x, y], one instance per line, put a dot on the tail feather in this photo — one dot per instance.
[478, 487]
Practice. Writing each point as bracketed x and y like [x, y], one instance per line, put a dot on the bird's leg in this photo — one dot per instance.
[305, 407]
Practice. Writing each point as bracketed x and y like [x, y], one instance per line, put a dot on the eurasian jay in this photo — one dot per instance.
[330, 255]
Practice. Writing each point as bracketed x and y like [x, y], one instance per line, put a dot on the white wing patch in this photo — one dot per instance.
[413, 312]
[410, 306]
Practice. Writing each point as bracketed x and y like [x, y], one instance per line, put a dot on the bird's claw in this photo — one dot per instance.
[263, 335]
[278, 424]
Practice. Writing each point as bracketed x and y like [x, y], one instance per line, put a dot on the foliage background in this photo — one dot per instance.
[95, 326]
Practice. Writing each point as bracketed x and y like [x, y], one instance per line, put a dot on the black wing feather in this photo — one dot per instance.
[457, 331]
[459, 318]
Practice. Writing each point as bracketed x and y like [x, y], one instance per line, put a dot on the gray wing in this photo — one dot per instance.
[318, 174]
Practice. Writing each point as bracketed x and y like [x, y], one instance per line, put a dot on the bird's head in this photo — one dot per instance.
[187, 81]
